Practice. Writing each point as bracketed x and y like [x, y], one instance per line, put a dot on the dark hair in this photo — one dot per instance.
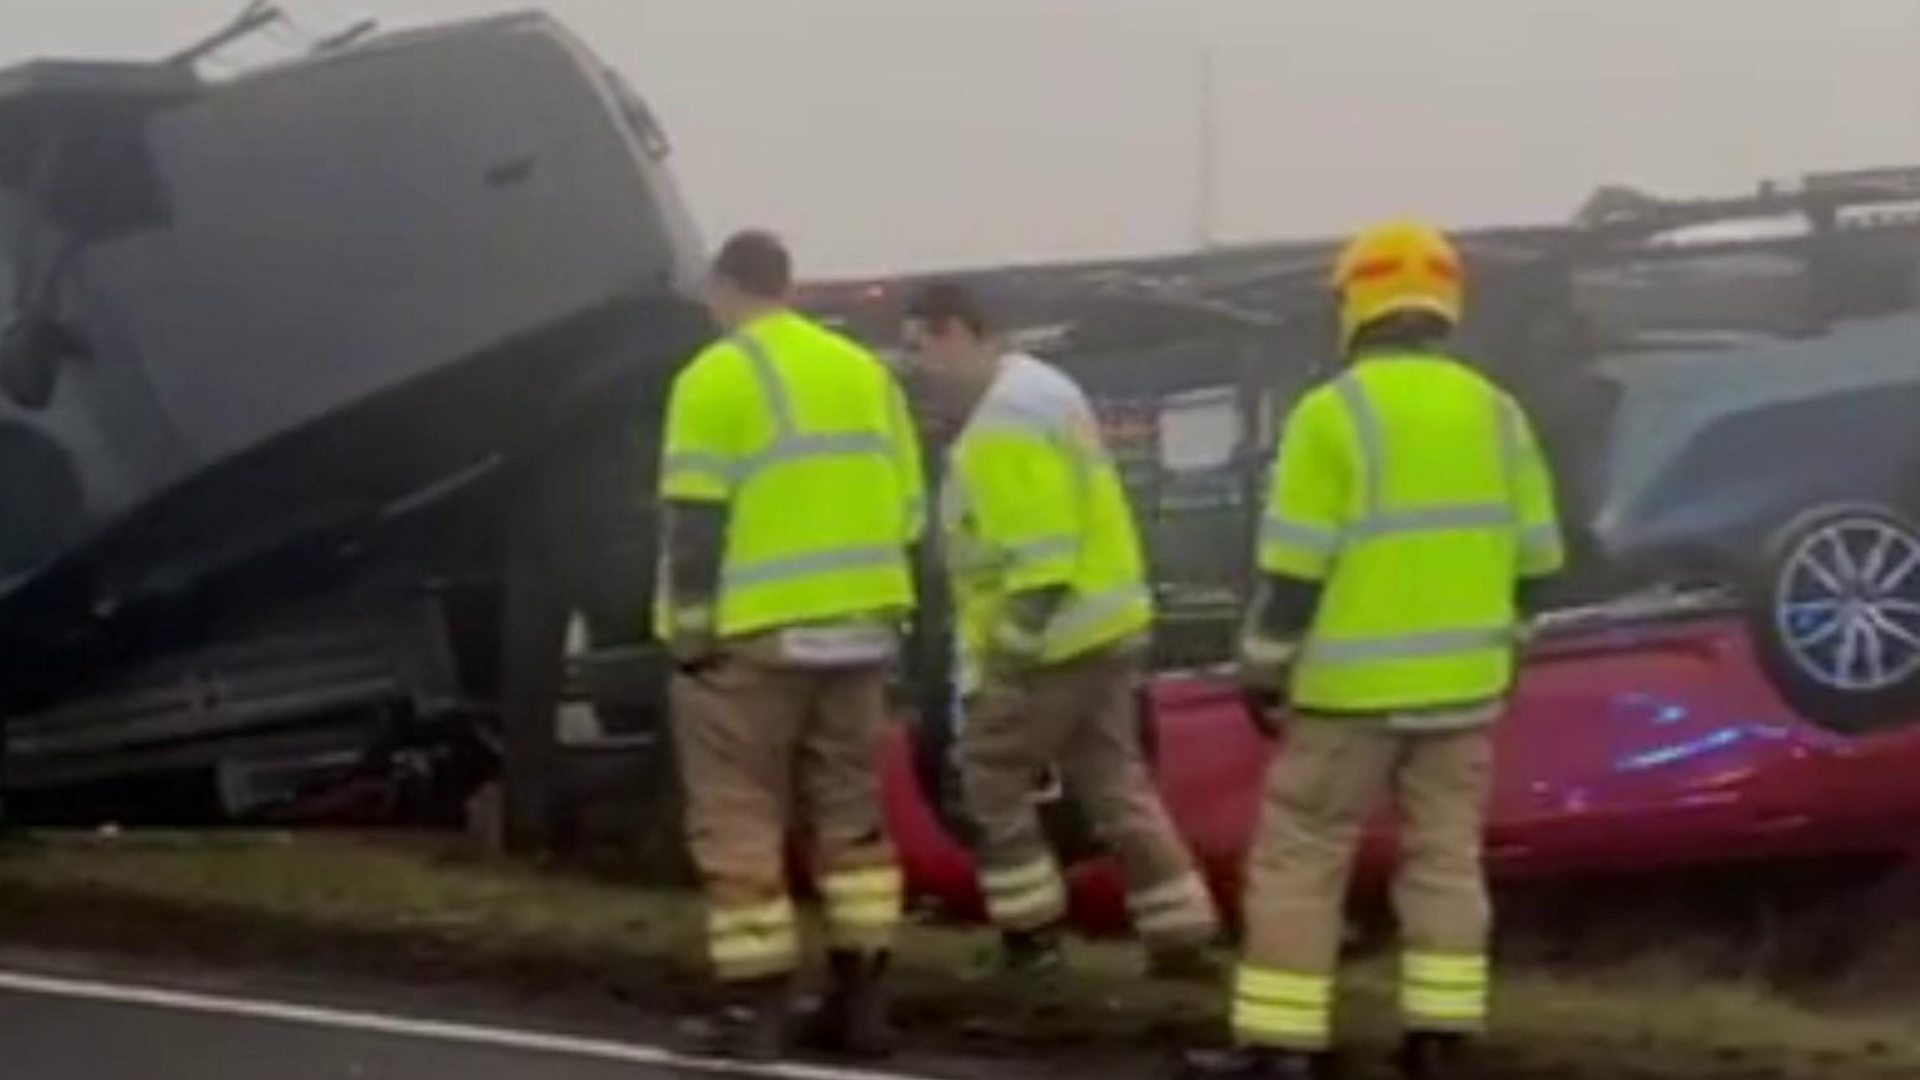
[944, 303]
[756, 263]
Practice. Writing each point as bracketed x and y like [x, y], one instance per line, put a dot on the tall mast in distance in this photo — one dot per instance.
[1206, 151]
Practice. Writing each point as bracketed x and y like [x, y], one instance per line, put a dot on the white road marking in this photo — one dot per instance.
[441, 1031]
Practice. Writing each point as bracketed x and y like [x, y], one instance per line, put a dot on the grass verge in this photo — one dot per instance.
[425, 909]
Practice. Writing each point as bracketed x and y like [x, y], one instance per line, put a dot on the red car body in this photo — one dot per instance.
[1636, 748]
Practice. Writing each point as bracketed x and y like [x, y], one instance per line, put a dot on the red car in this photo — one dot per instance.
[1637, 746]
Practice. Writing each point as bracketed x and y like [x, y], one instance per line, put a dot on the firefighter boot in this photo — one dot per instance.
[852, 1018]
[1031, 952]
[1259, 1063]
[749, 1025]
[1432, 1056]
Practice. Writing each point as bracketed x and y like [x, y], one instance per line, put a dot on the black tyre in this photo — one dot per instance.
[1837, 617]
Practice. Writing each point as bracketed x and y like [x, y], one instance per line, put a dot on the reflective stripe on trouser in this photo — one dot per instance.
[1282, 1008]
[757, 743]
[1320, 791]
[863, 908]
[1024, 896]
[1178, 910]
[753, 941]
[1443, 992]
[1080, 717]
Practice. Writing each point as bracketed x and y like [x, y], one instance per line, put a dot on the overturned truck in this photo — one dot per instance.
[315, 387]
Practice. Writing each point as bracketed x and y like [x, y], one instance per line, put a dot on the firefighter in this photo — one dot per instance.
[1410, 508]
[1052, 612]
[791, 485]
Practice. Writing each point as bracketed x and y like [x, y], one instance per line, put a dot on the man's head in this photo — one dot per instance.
[947, 336]
[753, 274]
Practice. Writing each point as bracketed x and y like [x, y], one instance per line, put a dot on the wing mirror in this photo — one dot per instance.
[32, 348]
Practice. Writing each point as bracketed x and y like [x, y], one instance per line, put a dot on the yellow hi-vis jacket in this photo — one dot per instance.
[1413, 489]
[805, 438]
[1033, 501]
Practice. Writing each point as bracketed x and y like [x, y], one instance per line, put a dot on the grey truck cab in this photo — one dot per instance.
[297, 368]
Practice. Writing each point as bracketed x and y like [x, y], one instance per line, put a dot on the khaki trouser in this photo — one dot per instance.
[1079, 715]
[1320, 792]
[756, 743]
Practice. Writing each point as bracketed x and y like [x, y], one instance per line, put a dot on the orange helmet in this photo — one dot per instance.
[1397, 266]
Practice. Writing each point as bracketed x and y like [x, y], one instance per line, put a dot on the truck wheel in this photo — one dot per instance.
[1837, 617]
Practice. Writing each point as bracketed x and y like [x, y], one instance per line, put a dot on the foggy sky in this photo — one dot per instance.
[892, 134]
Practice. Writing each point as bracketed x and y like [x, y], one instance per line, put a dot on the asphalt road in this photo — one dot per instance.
[57, 1028]
[45, 1038]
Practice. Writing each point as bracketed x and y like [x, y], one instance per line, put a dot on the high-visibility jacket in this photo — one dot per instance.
[1033, 501]
[805, 438]
[1412, 488]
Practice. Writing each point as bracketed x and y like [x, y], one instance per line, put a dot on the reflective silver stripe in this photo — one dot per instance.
[803, 447]
[1024, 895]
[789, 443]
[1315, 538]
[1448, 991]
[839, 644]
[1322, 541]
[767, 918]
[779, 404]
[794, 447]
[1541, 538]
[1088, 612]
[1376, 522]
[1366, 428]
[770, 571]
[1436, 721]
[699, 461]
[1172, 905]
[1280, 1008]
[1051, 547]
[1194, 920]
[1434, 519]
[1407, 646]
[1042, 905]
[1509, 443]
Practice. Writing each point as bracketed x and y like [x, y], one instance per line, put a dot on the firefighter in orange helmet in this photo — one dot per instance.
[1410, 508]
